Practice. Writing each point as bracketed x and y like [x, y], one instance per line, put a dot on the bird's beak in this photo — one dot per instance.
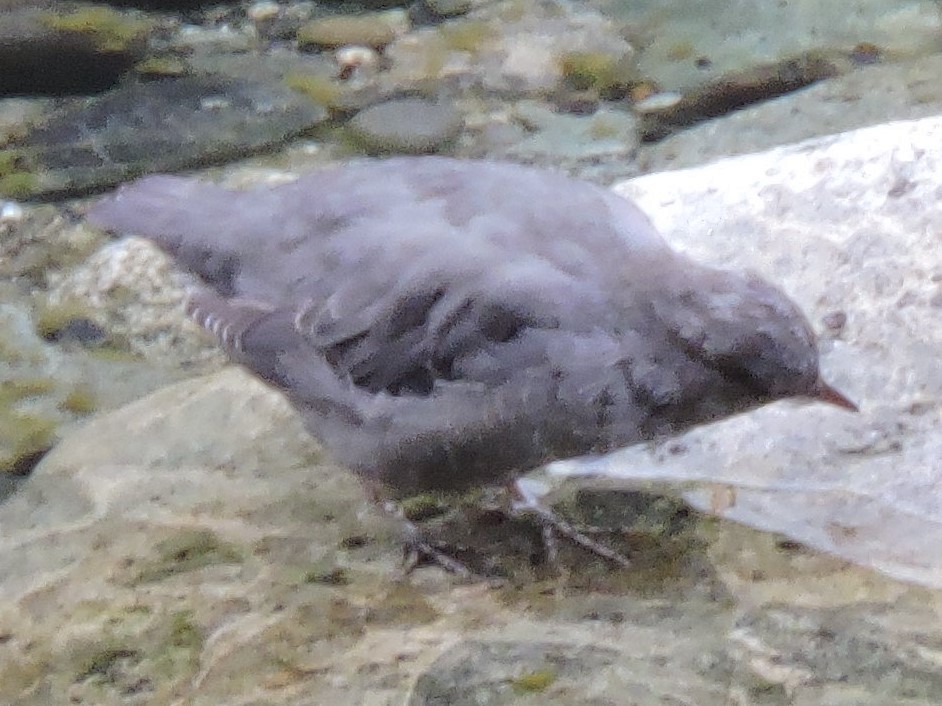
[826, 393]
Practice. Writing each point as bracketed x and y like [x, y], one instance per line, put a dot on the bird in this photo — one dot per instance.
[443, 324]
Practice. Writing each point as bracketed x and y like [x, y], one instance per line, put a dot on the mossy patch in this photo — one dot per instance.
[609, 75]
[188, 551]
[108, 29]
[17, 389]
[102, 661]
[372, 29]
[161, 66]
[19, 185]
[176, 646]
[327, 573]
[424, 506]
[24, 438]
[322, 90]
[467, 35]
[18, 176]
[11, 162]
[53, 319]
[535, 682]
[184, 633]
[402, 604]
[80, 400]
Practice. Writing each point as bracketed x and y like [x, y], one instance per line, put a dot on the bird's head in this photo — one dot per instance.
[752, 334]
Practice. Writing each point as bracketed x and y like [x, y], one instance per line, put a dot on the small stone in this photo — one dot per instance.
[11, 212]
[354, 60]
[408, 125]
[374, 29]
[447, 8]
[657, 102]
[835, 321]
[264, 11]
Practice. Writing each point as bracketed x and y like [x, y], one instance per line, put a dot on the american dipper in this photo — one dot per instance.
[442, 324]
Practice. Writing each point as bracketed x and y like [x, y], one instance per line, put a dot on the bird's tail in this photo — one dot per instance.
[191, 220]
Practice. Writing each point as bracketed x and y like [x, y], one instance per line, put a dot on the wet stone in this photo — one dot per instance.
[408, 125]
[165, 125]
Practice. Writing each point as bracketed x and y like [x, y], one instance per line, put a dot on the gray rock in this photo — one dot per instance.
[149, 323]
[67, 49]
[448, 8]
[406, 125]
[573, 140]
[163, 125]
[372, 29]
[867, 96]
[732, 36]
[508, 672]
[526, 56]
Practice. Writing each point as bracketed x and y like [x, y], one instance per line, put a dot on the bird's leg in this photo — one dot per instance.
[415, 545]
[527, 503]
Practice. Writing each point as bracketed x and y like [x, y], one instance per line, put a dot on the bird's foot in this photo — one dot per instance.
[417, 549]
[526, 503]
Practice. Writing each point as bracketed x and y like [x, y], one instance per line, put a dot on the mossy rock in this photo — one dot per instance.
[24, 438]
[189, 550]
[611, 76]
[108, 29]
[373, 29]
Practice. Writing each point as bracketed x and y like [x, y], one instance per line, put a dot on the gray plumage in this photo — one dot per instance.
[442, 324]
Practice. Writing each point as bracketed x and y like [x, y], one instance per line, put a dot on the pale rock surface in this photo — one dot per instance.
[849, 226]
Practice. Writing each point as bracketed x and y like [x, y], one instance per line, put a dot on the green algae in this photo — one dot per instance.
[469, 35]
[321, 90]
[17, 389]
[19, 185]
[51, 319]
[80, 400]
[537, 681]
[609, 75]
[108, 29]
[189, 550]
[24, 437]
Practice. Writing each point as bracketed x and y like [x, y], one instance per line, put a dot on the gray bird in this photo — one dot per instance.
[444, 324]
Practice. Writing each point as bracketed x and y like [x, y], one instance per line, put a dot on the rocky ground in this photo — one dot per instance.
[171, 541]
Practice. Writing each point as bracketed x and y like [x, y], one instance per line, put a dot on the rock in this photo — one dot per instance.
[533, 54]
[736, 90]
[372, 29]
[164, 125]
[195, 545]
[406, 125]
[149, 322]
[700, 43]
[45, 388]
[448, 8]
[568, 140]
[67, 50]
[866, 96]
[842, 223]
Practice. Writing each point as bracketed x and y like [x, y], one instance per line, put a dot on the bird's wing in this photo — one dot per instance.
[467, 428]
[265, 339]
